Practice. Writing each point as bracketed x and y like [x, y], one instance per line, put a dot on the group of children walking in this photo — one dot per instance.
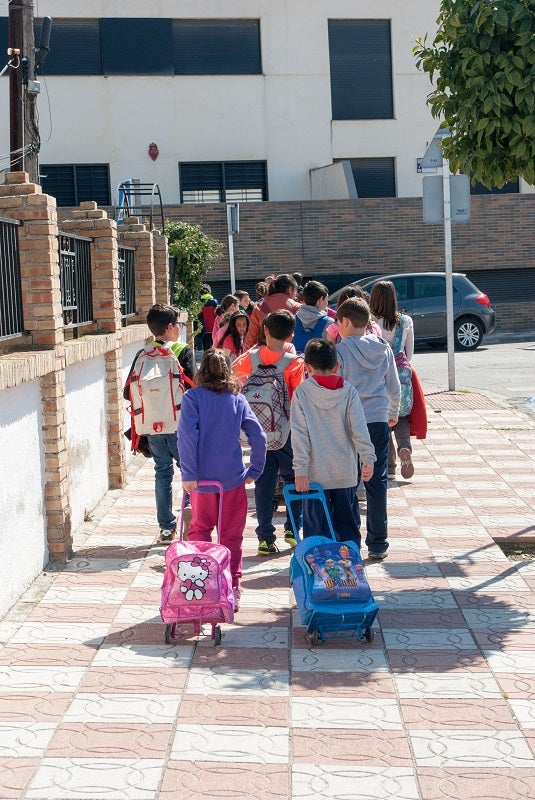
[338, 403]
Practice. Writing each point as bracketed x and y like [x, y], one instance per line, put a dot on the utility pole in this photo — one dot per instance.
[24, 132]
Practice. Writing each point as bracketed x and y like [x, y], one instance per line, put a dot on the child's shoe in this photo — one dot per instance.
[237, 598]
[407, 467]
[167, 536]
[290, 539]
[265, 549]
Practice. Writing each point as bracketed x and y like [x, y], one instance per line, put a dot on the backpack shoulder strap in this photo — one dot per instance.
[284, 361]
[254, 357]
[398, 337]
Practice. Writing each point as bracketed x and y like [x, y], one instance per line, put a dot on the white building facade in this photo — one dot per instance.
[243, 99]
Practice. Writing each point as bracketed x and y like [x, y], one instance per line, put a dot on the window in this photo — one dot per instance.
[374, 177]
[71, 184]
[429, 286]
[137, 46]
[509, 188]
[361, 69]
[217, 47]
[223, 181]
[74, 47]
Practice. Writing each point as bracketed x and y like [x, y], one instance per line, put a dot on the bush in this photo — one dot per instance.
[194, 253]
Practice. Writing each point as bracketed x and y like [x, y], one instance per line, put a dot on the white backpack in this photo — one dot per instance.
[157, 384]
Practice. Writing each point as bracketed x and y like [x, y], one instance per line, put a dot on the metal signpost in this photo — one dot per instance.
[233, 227]
[450, 187]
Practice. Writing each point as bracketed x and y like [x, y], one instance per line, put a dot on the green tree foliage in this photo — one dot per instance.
[483, 57]
[194, 252]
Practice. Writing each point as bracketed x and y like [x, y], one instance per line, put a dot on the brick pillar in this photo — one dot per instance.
[93, 222]
[161, 268]
[132, 233]
[43, 319]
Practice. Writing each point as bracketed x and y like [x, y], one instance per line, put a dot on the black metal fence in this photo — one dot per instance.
[11, 317]
[75, 280]
[127, 284]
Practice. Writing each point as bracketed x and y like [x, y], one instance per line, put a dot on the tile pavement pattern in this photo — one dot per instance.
[93, 704]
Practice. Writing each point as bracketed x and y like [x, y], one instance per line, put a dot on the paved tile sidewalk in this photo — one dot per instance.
[93, 704]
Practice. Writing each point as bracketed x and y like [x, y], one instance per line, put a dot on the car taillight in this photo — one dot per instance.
[484, 300]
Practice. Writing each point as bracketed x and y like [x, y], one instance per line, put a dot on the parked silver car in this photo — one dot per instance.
[422, 295]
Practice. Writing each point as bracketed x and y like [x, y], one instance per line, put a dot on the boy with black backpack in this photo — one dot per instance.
[269, 375]
[311, 321]
[161, 372]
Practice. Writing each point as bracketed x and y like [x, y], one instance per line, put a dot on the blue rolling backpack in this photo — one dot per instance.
[327, 576]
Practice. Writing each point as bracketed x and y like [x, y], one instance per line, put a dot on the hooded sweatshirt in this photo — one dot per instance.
[367, 362]
[309, 316]
[273, 302]
[329, 434]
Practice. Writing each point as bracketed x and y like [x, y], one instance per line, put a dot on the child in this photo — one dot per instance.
[311, 320]
[234, 337]
[397, 329]
[207, 315]
[329, 439]
[278, 329]
[163, 323]
[351, 291]
[213, 415]
[367, 362]
[229, 304]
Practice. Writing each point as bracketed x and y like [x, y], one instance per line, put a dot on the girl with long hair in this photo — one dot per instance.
[234, 338]
[212, 417]
[397, 329]
[228, 305]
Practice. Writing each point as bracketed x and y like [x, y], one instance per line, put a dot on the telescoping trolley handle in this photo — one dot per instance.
[217, 487]
[316, 493]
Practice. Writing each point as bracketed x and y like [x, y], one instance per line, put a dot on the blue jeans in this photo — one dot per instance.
[343, 508]
[164, 450]
[376, 490]
[277, 461]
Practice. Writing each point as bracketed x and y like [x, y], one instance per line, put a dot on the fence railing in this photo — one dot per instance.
[11, 317]
[127, 285]
[75, 280]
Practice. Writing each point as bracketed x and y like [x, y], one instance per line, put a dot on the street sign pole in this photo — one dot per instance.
[233, 227]
[448, 263]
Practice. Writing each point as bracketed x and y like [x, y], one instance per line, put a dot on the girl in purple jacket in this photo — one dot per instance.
[212, 417]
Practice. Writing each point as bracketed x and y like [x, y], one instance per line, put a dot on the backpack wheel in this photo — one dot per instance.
[313, 637]
[369, 635]
[169, 639]
[217, 636]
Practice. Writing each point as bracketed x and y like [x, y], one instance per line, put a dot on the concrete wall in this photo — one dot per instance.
[23, 542]
[283, 116]
[87, 441]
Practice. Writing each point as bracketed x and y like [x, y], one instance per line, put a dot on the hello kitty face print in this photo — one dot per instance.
[193, 575]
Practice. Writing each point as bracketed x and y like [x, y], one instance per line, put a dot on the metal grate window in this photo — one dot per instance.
[361, 69]
[223, 181]
[11, 317]
[127, 286]
[75, 280]
[374, 177]
[217, 47]
[71, 184]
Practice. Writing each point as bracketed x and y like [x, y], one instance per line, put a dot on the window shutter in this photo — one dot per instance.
[361, 69]
[74, 47]
[133, 46]
[217, 47]
[374, 177]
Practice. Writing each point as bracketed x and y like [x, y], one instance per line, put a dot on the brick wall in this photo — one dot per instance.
[338, 240]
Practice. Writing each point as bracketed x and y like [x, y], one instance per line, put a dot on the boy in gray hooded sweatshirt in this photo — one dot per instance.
[366, 361]
[329, 438]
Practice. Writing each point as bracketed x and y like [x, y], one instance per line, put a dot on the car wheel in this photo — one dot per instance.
[468, 333]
